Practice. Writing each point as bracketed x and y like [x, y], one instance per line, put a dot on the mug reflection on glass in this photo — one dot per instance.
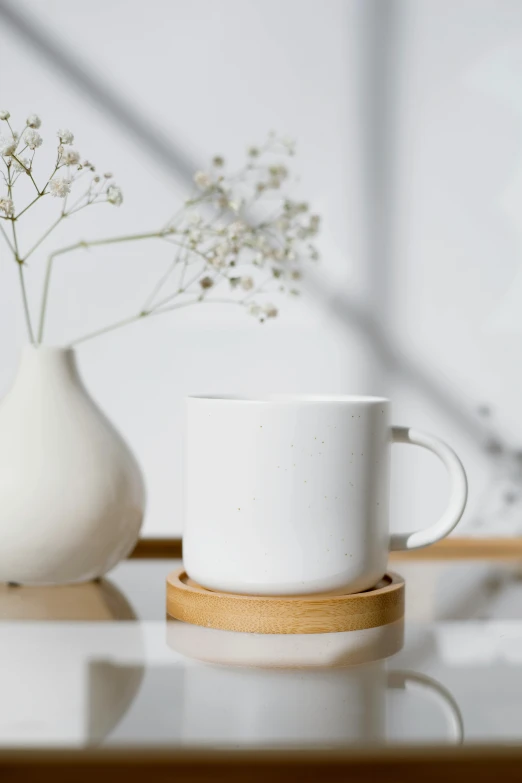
[303, 688]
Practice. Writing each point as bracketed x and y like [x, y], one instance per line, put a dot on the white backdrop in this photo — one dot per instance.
[415, 168]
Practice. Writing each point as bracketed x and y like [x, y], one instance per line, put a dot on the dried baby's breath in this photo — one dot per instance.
[238, 238]
[17, 160]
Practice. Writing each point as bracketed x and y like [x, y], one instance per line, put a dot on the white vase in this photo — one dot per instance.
[72, 495]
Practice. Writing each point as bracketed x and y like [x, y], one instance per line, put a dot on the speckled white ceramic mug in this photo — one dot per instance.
[289, 495]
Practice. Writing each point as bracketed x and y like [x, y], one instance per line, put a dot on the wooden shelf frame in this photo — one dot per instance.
[393, 765]
[447, 549]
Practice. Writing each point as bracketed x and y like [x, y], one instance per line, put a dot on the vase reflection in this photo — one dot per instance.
[96, 601]
[57, 687]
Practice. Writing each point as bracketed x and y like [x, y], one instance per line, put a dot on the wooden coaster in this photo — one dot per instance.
[191, 603]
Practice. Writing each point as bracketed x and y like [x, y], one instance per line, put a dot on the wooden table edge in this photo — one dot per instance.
[395, 765]
[465, 548]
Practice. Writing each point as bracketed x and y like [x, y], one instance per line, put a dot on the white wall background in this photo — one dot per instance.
[420, 213]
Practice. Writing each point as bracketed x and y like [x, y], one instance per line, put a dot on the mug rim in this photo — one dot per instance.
[290, 399]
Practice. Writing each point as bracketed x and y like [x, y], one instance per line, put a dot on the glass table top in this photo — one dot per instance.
[99, 665]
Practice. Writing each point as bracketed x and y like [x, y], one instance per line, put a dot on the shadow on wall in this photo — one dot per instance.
[381, 30]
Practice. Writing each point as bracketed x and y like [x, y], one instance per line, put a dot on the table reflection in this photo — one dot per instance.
[93, 674]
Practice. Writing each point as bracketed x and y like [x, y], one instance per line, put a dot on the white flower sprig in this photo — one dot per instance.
[17, 155]
[238, 237]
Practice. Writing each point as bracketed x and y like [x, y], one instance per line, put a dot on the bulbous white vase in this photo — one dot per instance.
[72, 495]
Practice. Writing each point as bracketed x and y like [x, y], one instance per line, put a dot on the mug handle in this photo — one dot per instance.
[458, 490]
[400, 679]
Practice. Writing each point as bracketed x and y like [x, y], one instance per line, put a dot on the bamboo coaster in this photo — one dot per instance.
[191, 603]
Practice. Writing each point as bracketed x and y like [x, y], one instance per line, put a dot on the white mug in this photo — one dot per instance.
[289, 495]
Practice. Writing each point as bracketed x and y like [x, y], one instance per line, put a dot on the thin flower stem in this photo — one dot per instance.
[28, 171]
[195, 301]
[79, 246]
[110, 328]
[15, 243]
[43, 237]
[8, 241]
[114, 240]
[56, 167]
[169, 298]
[120, 324]
[39, 196]
[182, 290]
[196, 253]
[183, 271]
[161, 282]
[25, 302]
[78, 203]
[140, 316]
[64, 207]
[45, 296]
[82, 206]
[20, 267]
